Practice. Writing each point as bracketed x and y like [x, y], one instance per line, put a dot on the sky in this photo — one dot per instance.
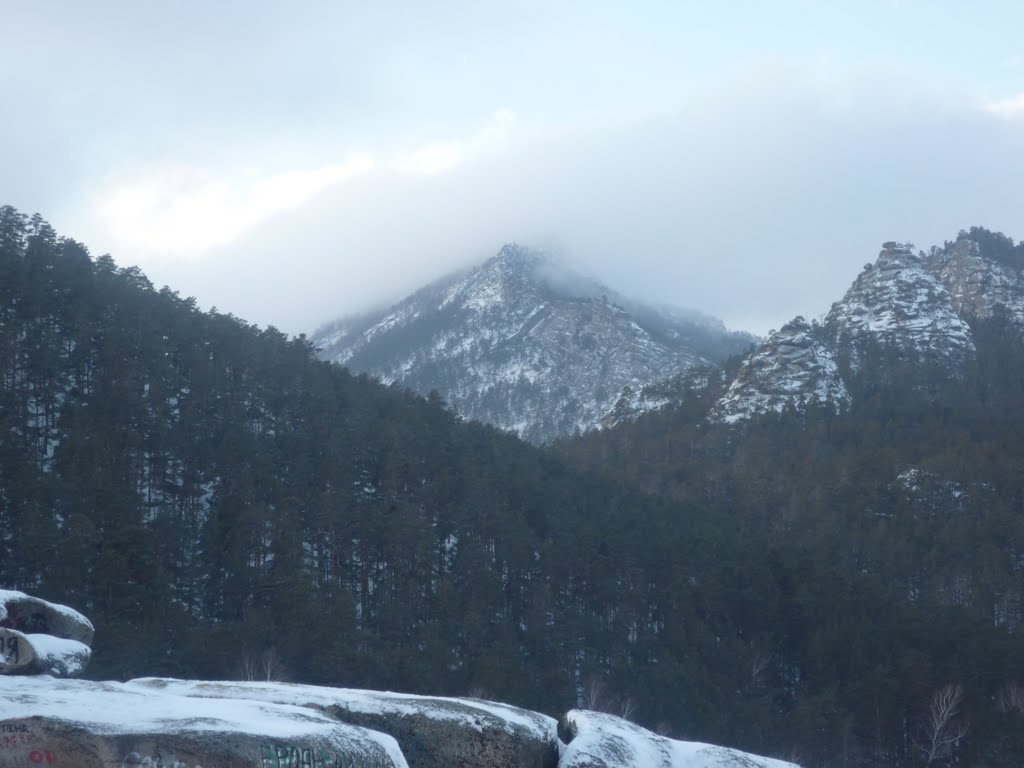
[295, 162]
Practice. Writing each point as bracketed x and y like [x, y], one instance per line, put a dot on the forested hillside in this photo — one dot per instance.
[892, 541]
[219, 501]
[222, 504]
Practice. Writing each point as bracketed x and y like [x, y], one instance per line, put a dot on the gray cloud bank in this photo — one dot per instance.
[754, 194]
[754, 203]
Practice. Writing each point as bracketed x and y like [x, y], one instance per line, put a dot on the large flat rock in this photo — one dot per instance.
[433, 731]
[82, 724]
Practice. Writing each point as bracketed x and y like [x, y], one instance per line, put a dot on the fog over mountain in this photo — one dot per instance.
[288, 166]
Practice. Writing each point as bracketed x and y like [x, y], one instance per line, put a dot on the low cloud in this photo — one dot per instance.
[755, 199]
[758, 201]
[184, 213]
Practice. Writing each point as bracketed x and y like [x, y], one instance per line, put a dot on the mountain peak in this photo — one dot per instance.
[899, 302]
[981, 275]
[524, 342]
[915, 305]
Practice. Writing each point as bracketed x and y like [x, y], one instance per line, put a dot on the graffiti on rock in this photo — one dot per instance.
[15, 735]
[157, 760]
[292, 756]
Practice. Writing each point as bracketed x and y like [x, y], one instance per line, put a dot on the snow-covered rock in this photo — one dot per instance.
[41, 654]
[597, 740]
[433, 731]
[79, 724]
[164, 723]
[33, 615]
[914, 305]
[900, 303]
[42, 638]
[792, 369]
[526, 344]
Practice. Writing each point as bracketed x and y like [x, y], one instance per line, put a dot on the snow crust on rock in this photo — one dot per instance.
[13, 596]
[605, 741]
[472, 713]
[59, 656]
[112, 708]
[792, 369]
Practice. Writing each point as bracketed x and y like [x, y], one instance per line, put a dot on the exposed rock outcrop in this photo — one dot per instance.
[793, 368]
[597, 740]
[42, 638]
[82, 724]
[899, 303]
[915, 306]
[978, 285]
[163, 723]
[32, 615]
[432, 731]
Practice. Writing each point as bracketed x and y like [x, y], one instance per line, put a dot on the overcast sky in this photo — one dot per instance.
[293, 162]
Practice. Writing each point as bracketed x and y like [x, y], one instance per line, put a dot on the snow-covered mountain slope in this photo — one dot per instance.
[900, 303]
[525, 344]
[792, 369]
[660, 394]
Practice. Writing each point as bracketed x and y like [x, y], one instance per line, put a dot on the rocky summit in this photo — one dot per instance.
[918, 307]
[526, 344]
[899, 303]
[978, 284]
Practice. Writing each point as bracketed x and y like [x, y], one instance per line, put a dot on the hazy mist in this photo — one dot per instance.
[291, 167]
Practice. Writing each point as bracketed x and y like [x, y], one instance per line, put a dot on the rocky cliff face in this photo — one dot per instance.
[918, 306]
[525, 344]
[978, 285]
[898, 302]
[793, 368]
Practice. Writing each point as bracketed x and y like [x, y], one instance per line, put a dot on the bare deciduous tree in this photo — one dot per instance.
[1011, 698]
[943, 727]
[595, 697]
[266, 666]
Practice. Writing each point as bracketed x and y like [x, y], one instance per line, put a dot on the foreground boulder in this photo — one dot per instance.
[33, 616]
[597, 740]
[42, 638]
[81, 724]
[41, 654]
[432, 731]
